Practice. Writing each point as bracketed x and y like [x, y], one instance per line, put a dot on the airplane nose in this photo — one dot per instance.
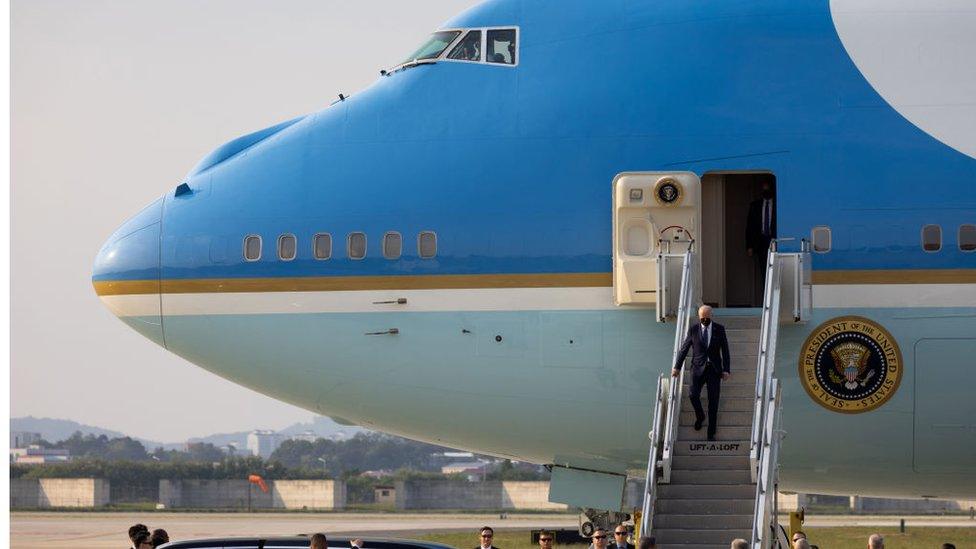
[126, 272]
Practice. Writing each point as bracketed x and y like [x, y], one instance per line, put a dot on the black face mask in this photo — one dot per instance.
[706, 321]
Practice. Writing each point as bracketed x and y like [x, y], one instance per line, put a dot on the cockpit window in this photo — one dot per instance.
[501, 46]
[435, 45]
[468, 49]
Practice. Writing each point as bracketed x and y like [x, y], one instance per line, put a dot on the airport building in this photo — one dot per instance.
[35, 455]
[263, 443]
[307, 435]
[474, 470]
[23, 439]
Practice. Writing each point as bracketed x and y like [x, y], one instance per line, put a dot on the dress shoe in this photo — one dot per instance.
[698, 424]
[711, 436]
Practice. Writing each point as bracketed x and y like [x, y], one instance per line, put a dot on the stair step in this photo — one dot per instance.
[667, 536]
[725, 403]
[729, 389]
[723, 432]
[703, 522]
[708, 506]
[711, 463]
[739, 322]
[688, 491]
[743, 348]
[734, 476]
[731, 419]
[742, 334]
[714, 448]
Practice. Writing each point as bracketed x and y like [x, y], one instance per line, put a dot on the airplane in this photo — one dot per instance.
[492, 246]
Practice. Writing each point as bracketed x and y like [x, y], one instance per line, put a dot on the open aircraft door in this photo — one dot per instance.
[655, 220]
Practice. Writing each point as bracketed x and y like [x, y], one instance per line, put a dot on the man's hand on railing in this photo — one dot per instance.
[674, 372]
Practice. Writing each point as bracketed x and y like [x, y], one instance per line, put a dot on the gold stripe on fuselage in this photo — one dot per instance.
[457, 282]
[126, 287]
[341, 283]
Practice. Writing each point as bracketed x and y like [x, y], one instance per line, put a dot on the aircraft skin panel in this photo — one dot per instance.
[511, 167]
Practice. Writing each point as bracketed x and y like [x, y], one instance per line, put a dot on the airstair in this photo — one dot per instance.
[700, 493]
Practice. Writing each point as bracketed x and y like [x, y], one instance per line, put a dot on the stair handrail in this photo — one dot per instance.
[674, 391]
[764, 516]
[766, 361]
[650, 482]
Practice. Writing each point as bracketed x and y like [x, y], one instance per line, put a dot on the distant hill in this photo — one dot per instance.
[56, 430]
[320, 425]
[324, 427]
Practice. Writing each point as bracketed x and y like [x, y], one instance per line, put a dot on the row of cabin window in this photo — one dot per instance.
[931, 238]
[355, 246]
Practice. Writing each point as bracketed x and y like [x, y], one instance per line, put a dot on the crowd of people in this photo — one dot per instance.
[142, 538]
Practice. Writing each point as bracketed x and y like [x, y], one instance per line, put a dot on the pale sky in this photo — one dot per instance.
[112, 103]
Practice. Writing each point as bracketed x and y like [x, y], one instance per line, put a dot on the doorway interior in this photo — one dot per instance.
[731, 277]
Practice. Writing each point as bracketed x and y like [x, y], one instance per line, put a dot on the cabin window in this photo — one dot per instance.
[252, 247]
[932, 238]
[434, 46]
[967, 238]
[392, 245]
[468, 49]
[287, 245]
[427, 244]
[501, 46]
[356, 245]
[821, 239]
[322, 246]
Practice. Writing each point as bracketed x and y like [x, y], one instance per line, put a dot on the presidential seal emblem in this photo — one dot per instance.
[667, 192]
[850, 365]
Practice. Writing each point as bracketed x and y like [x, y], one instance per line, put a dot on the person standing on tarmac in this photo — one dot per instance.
[599, 538]
[620, 534]
[486, 534]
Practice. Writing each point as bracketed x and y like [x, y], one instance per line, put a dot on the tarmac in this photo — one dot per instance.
[46, 530]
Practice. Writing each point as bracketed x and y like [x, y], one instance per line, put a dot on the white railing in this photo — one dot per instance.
[674, 392]
[650, 484]
[764, 518]
[768, 332]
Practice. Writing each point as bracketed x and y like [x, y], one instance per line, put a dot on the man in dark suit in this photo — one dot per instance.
[710, 365]
[487, 535]
[620, 534]
[761, 223]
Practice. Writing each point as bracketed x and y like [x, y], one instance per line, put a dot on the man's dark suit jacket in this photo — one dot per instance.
[615, 546]
[717, 352]
[754, 237]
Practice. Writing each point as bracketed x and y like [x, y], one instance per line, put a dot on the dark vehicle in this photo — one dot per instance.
[300, 540]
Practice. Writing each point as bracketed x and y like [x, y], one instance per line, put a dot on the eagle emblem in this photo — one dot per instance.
[668, 192]
[850, 361]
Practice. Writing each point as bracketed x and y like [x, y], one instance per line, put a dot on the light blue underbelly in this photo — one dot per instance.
[576, 386]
